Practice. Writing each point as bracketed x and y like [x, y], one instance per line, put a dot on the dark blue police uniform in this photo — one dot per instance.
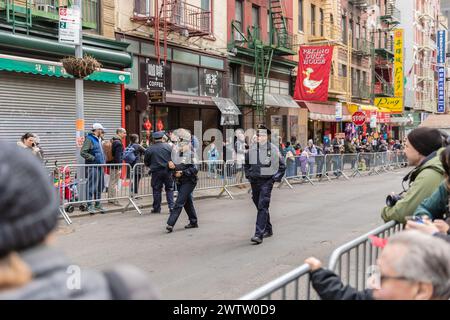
[157, 157]
[264, 166]
[185, 187]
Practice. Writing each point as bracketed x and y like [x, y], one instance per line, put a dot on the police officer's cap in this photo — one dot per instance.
[158, 135]
[262, 129]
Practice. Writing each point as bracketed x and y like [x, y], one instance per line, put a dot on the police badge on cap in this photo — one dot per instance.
[263, 130]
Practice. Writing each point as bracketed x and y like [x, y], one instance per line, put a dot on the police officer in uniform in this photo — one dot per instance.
[264, 166]
[157, 157]
[185, 171]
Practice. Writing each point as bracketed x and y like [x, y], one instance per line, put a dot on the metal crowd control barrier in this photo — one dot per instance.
[350, 267]
[85, 185]
[299, 168]
[294, 285]
[234, 176]
[334, 166]
[352, 261]
[55, 178]
[80, 185]
[350, 165]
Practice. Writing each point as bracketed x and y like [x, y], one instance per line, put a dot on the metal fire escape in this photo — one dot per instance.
[175, 16]
[280, 43]
[384, 55]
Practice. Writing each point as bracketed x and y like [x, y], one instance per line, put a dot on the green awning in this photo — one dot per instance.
[55, 69]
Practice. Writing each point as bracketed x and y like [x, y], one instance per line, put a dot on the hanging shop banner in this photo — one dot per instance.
[441, 90]
[395, 105]
[441, 46]
[339, 111]
[398, 63]
[373, 121]
[383, 117]
[313, 73]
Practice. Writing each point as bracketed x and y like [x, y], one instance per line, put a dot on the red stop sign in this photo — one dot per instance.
[359, 118]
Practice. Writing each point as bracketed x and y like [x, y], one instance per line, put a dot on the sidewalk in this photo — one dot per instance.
[145, 202]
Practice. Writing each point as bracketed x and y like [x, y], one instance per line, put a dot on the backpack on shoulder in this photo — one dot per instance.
[107, 149]
[129, 155]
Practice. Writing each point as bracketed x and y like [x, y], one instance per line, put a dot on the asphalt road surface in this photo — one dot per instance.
[217, 261]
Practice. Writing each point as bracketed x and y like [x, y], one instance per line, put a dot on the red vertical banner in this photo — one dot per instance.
[313, 73]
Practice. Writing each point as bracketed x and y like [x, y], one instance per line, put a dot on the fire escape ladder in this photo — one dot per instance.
[279, 23]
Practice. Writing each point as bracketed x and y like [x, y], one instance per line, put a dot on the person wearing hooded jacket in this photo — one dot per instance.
[423, 148]
[31, 267]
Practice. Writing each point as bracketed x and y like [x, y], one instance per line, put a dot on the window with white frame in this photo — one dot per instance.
[143, 7]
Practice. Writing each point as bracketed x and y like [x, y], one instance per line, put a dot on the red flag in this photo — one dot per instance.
[313, 73]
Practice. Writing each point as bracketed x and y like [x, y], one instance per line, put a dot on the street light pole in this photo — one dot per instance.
[79, 89]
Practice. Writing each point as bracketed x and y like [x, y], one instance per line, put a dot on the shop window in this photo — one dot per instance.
[186, 57]
[133, 47]
[134, 70]
[184, 79]
[148, 50]
[211, 62]
[161, 118]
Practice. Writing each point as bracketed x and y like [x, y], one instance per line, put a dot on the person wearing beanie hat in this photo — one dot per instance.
[29, 267]
[422, 149]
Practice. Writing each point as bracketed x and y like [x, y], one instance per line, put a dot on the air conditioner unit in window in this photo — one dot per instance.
[46, 8]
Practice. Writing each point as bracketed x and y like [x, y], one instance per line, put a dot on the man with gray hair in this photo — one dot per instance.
[412, 266]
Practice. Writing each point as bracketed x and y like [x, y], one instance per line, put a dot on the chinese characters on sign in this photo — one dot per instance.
[398, 63]
[210, 83]
[441, 46]
[338, 111]
[441, 89]
[441, 70]
[155, 75]
[69, 25]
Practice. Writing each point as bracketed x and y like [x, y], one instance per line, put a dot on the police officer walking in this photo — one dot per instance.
[264, 166]
[185, 171]
[157, 157]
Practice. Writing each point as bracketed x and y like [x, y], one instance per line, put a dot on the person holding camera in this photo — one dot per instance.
[432, 215]
[422, 149]
[31, 142]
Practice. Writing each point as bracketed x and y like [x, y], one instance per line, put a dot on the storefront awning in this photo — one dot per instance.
[325, 111]
[366, 107]
[226, 106]
[55, 69]
[438, 121]
[279, 100]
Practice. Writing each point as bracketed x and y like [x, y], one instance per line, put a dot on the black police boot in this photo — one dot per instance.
[154, 211]
[169, 229]
[267, 234]
[256, 240]
[191, 226]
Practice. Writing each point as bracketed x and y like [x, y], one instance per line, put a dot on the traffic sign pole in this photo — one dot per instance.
[79, 88]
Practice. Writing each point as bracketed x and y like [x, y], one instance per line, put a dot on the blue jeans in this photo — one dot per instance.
[184, 200]
[95, 184]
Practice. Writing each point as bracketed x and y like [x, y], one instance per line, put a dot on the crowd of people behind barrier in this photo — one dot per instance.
[414, 264]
